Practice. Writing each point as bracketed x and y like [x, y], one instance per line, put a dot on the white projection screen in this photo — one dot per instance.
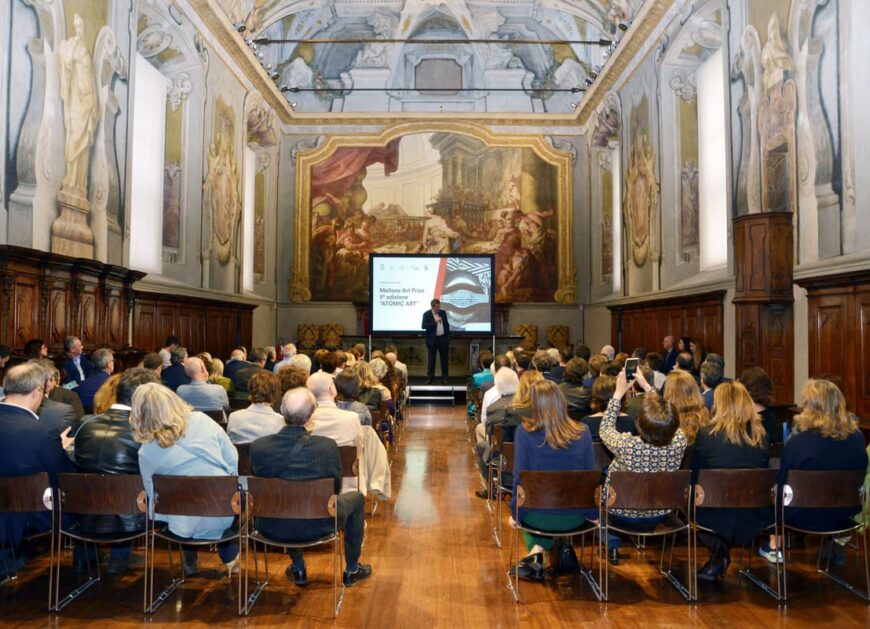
[402, 287]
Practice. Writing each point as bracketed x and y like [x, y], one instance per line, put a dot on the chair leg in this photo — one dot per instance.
[173, 583]
[680, 587]
[514, 580]
[864, 594]
[60, 604]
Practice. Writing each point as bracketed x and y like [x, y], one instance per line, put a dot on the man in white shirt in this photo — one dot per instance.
[288, 351]
[199, 393]
[166, 351]
[328, 420]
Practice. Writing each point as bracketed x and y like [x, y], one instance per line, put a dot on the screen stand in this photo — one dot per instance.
[370, 348]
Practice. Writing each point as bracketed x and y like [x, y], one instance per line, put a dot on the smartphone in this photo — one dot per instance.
[631, 367]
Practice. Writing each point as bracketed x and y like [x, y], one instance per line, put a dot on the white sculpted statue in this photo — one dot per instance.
[80, 112]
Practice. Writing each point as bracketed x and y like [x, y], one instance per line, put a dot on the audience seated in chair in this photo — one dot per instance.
[826, 437]
[238, 360]
[506, 384]
[104, 365]
[734, 439]
[545, 362]
[294, 454]
[174, 375]
[388, 382]
[347, 390]
[602, 392]
[288, 351]
[57, 414]
[484, 373]
[199, 392]
[153, 362]
[77, 366]
[576, 393]
[328, 420]
[259, 419]
[371, 391]
[711, 376]
[257, 362]
[659, 446]
[681, 391]
[760, 388]
[104, 444]
[27, 446]
[178, 441]
[548, 440]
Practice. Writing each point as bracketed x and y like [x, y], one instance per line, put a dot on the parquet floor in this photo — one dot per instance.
[435, 565]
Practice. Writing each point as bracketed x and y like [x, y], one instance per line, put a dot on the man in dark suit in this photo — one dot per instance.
[77, 366]
[294, 454]
[27, 445]
[255, 365]
[437, 339]
[104, 365]
[670, 354]
[238, 360]
[174, 375]
[58, 414]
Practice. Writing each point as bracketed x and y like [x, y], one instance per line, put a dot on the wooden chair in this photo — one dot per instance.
[734, 489]
[27, 494]
[505, 483]
[810, 489]
[244, 450]
[602, 455]
[349, 463]
[96, 494]
[239, 401]
[659, 491]
[200, 496]
[293, 500]
[218, 416]
[560, 490]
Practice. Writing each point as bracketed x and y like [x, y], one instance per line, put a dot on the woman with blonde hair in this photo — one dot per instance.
[734, 439]
[681, 390]
[548, 440]
[826, 437]
[215, 369]
[370, 388]
[178, 441]
[106, 395]
[520, 406]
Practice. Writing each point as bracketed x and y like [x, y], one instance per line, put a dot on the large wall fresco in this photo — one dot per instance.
[437, 192]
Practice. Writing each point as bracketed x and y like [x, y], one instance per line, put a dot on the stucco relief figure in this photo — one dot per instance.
[79, 94]
[689, 204]
[221, 187]
[172, 205]
[774, 56]
[259, 124]
[641, 199]
[374, 55]
[748, 65]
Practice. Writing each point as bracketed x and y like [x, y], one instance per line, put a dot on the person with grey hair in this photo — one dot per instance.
[341, 426]
[77, 366]
[174, 376]
[301, 360]
[711, 377]
[27, 446]
[609, 352]
[493, 414]
[199, 392]
[295, 454]
[57, 414]
[288, 351]
[104, 366]
[544, 362]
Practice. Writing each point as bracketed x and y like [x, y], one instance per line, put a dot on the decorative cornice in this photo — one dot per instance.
[645, 23]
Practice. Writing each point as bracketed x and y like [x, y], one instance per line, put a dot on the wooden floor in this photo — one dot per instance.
[435, 565]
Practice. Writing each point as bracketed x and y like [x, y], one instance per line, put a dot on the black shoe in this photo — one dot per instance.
[530, 567]
[613, 557]
[836, 552]
[565, 559]
[714, 568]
[350, 578]
[299, 576]
[190, 563]
[119, 565]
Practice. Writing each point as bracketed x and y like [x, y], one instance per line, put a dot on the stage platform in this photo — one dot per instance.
[436, 393]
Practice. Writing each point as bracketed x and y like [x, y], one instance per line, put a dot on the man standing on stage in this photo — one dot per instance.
[437, 338]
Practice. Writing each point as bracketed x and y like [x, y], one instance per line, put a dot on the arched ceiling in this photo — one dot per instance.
[376, 76]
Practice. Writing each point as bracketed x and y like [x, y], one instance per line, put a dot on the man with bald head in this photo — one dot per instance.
[200, 393]
[294, 454]
[328, 420]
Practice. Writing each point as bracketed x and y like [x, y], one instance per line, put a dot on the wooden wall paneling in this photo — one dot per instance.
[144, 323]
[778, 323]
[246, 326]
[25, 312]
[862, 347]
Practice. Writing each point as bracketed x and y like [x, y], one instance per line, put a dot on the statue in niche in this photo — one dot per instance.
[774, 56]
[374, 55]
[80, 111]
[748, 65]
[689, 204]
[641, 199]
[172, 205]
